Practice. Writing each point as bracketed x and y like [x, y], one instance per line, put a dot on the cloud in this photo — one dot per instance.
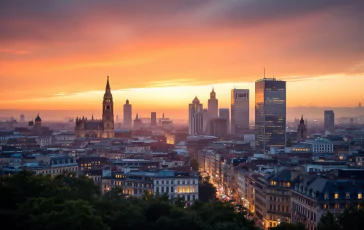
[70, 46]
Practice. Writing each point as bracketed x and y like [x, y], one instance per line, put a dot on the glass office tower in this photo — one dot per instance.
[270, 114]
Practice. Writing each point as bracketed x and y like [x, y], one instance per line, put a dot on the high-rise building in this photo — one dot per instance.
[138, 124]
[206, 121]
[22, 118]
[270, 113]
[153, 118]
[213, 105]
[224, 113]
[127, 114]
[329, 120]
[239, 111]
[218, 127]
[195, 117]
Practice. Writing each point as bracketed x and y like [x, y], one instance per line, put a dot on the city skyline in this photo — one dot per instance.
[50, 65]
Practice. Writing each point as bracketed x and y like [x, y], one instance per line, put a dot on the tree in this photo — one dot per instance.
[328, 222]
[352, 218]
[52, 213]
[194, 164]
[206, 191]
[67, 202]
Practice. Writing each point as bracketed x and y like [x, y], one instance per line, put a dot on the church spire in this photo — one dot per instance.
[107, 84]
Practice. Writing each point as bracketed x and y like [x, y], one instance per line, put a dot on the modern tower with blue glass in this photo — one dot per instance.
[270, 114]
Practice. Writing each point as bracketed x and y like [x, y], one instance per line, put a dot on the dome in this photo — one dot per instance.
[196, 100]
[38, 118]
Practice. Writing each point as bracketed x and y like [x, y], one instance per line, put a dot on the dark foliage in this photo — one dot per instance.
[67, 202]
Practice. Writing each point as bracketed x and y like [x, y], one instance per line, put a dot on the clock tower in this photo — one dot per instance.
[108, 112]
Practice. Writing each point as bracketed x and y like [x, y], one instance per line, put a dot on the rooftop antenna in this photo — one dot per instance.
[264, 72]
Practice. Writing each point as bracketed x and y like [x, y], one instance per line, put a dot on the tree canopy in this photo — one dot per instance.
[30, 201]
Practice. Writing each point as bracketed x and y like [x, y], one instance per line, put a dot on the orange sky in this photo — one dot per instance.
[160, 55]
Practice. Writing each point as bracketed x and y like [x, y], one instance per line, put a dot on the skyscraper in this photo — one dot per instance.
[206, 121]
[329, 120]
[213, 105]
[127, 114]
[224, 113]
[239, 111]
[153, 118]
[195, 117]
[270, 113]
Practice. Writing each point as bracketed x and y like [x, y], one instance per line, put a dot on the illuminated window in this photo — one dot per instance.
[360, 196]
[336, 196]
[325, 206]
[347, 196]
[337, 206]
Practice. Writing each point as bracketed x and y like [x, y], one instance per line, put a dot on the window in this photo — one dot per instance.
[336, 195]
[360, 196]
[325, 206]
[347, 196]
[337, 206]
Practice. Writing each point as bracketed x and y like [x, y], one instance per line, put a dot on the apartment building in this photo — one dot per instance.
[273, 197]
[174, 184]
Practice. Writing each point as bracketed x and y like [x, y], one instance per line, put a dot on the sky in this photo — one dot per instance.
[160, 54]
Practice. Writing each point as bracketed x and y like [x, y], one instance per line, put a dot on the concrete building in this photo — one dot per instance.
[127, 121]
[195, 117]
[206, 121]
[314, 196]
[153, 118]
[137, 124]
[173, 184]
[213, 105]
[224, 113]
[218, 127]
[273, 197]
[321, 145]
[329, 120]
[270, 114]
[239, 111]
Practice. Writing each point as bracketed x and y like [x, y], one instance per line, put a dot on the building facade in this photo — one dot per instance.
[127, 114]
[173, 184]
[302, 130]
[213, 105]
[329, 120]
[103, 128]
[321, 145]
[218, 127]
[270, 114]
[314, 196]
[195, 117]
[239, 111]
[224, 113]
[153, 118]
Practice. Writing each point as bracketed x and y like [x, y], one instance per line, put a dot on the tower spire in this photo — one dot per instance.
[107, 84]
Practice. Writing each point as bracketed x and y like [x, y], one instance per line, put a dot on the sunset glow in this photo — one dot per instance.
[56, 56]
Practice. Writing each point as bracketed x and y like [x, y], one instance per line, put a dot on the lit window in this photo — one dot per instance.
[347, 196]
[360, 196]
[336, 196]
[325, 206]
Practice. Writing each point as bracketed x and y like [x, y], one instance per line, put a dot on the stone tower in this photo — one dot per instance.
[302, 130]
[108, 112]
